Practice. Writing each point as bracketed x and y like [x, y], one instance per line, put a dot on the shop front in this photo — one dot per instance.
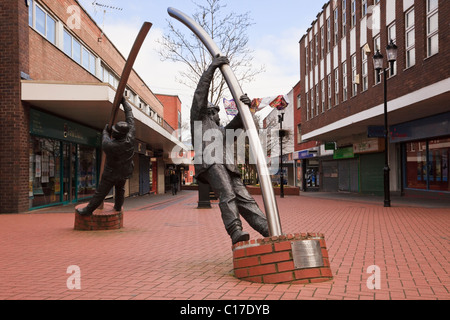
[425, 145]
[64, 160]
[307, 169]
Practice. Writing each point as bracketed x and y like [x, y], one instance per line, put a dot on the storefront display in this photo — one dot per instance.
[63, 160]
[427, 163]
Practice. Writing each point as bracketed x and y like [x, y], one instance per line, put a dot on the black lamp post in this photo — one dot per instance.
[281, 135]
[378, 63]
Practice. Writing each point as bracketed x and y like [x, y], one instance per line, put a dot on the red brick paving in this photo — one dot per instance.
[170, 250]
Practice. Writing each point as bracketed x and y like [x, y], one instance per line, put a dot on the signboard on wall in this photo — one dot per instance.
[50, 126]
[369, 146]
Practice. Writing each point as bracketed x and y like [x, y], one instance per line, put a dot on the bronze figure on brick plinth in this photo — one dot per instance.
[222, 175]
[118, 147]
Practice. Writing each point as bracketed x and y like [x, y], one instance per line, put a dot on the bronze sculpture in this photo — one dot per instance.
[118, 147]
[224, 177]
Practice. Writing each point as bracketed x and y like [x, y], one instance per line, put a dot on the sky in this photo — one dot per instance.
[277, 28]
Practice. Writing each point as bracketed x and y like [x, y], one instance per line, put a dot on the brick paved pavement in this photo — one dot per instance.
[168, 249]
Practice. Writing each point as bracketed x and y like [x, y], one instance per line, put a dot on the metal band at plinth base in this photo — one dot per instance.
[101, 219]
[299, 258]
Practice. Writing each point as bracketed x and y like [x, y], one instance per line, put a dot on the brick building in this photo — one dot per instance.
[58, 75]
[342, 96]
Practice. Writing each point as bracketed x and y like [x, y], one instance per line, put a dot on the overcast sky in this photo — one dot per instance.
[274, 36]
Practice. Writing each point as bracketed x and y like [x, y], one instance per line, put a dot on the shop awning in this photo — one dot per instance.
[90, 104]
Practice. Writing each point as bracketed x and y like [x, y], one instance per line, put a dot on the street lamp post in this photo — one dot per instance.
[281, 135]
[378, 63]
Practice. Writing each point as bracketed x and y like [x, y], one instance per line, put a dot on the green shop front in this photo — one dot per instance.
[64, 160]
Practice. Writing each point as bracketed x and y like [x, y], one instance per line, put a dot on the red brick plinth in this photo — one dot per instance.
[101, 219]
[270, 260]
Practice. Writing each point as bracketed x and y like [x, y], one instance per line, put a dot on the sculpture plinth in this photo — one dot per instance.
[102, 219]
[293, 258]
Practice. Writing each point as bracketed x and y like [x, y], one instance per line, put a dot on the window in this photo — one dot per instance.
[317, 48]
[344, 81]
[344, 17]
[311, 54]
[410, 39]
[317, 100]
[363, 8]
[329, 91]
[76, 51]
[376, 46]
[336, 26]
[336, 86]
[299, 101]
[312, 103]
[108, 76]
[42, 22]
[364, 70]
[30, 13]
[328, 35]
[427, 163]
[354, 77]
[432, 27]
[51, 29]
[322, 41]
[353, 14]
[392, 35]
[299, 133]
[322, 87]
[307, 106]
[79, 53]
[307, 57]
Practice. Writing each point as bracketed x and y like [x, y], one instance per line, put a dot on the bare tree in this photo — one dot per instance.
[228, 30]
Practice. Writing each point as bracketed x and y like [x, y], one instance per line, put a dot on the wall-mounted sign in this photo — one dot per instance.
[369, 146]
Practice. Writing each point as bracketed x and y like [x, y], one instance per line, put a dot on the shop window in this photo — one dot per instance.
[87, 171]
[427, 164]
[44, 178]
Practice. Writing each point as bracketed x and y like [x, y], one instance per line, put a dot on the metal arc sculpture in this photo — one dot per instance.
[268, 194]
[127, 70]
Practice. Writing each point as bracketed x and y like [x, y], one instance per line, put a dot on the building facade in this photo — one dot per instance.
[342, 96]
[58, 76]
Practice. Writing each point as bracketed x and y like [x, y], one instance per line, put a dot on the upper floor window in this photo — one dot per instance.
[376, 47]
[353, 13]
[410, 38]
[78, 52]
[432, 27]
[328, 35]
[363, 8]
[40, 20]
[354, 76]
[364, 70]
[336, 26]
[336, 86]
[344, 17]
[344, 81]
